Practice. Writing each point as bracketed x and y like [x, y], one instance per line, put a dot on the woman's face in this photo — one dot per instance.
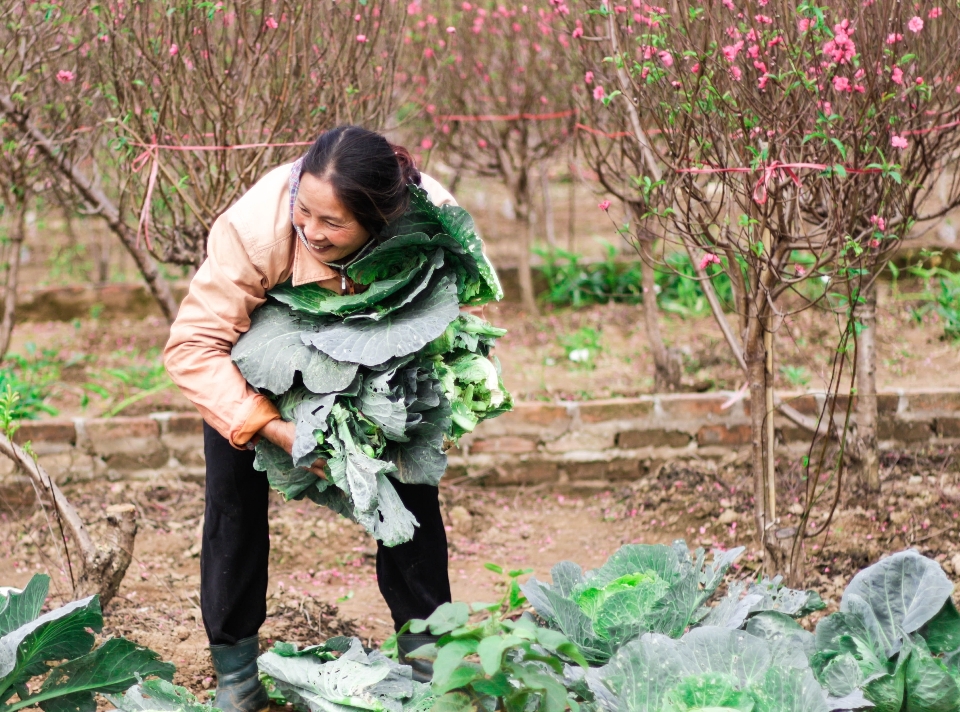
[331, 230]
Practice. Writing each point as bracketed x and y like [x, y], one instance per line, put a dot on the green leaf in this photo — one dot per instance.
[20, 608]
[447, 617]
[61, 634]
[449, 659]
[942, 632]
[402, 332]
[930, 688]
[272, 351]
[453, 702]
[902, 592]
[158, 696]
[314, 299]
[111, 668]
[493, 567]
[491, 651]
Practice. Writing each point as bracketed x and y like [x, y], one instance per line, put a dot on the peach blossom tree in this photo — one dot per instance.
[787, 145]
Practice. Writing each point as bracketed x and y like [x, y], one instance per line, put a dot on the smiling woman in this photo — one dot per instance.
[303, 223]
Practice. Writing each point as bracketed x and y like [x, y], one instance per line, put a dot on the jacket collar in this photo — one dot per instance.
[306, 267]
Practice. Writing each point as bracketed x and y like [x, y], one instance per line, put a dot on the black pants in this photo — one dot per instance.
[413, 577]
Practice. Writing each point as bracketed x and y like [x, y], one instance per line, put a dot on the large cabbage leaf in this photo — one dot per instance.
[322, 681]
[273, 351]
[902, 592]
[402, 332]
[477, 281]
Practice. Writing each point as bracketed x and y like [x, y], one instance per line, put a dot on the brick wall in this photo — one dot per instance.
[589, 443]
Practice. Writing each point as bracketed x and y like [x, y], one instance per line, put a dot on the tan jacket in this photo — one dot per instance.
[252, 247]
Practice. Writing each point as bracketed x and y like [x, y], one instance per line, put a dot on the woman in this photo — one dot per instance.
[305, 222]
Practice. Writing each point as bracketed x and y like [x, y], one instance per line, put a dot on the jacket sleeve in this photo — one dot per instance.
[216, 311]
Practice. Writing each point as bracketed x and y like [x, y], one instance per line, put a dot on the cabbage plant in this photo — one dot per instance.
[641, 588]
[49, 660]
[380, 382]
[896, 638]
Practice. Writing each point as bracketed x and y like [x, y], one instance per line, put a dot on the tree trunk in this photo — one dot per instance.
[549, 226]
[13, 274]
[524, 271]
[572, 208]
[102, 204]
[869, 459]
[101, 567]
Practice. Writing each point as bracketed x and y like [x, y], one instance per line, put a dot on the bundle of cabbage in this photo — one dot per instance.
[380, 382]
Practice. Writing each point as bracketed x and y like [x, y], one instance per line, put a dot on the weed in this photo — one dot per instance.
[582, 346]
[796, 375]
[32, 378]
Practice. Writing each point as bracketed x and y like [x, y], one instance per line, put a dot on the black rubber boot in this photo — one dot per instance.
[409, 642]
[238, 686]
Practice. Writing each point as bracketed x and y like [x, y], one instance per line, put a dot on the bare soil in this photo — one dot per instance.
[323, 581]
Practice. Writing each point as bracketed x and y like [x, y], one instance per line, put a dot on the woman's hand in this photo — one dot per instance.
[282, 434]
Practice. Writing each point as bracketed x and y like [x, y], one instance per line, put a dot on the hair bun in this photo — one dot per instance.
[408, 168]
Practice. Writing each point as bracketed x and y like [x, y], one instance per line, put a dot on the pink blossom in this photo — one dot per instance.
[800, 270]
[919, 81]
[753, 51]
[730, 52]
[271, 23]
[620, 9]
[729, 5]
[708, 259]
[666, 58]
[841, 48]
[763, 20]
[841, 84]
[874, 243]
[426, 144]
[696, 68]
[362, 38]
[898, 141]
[588, 78]
[481, 143]
[879, 222]
[896, 76]
[598, 92]
[894, 37]
[934, 13]
[65, 76]
[736, 73]
[604, 205]
[915, 24]
[760, 66]
[578, 30]
[451, 30]
[762, 82]
[803, 24]
[173, 50]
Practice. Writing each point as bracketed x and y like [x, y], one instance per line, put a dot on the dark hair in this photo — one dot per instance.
[368, 173]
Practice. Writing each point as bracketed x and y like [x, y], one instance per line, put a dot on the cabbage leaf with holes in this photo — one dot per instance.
[641, 588]
[339, 676]
[381, 382]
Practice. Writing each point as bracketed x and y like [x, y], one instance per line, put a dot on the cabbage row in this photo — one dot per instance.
[381, 382]
[640, 634]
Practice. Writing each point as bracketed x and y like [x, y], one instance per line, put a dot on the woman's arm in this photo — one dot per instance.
[215, 312]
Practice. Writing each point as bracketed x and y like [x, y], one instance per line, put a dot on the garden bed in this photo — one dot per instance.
[322, 567]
